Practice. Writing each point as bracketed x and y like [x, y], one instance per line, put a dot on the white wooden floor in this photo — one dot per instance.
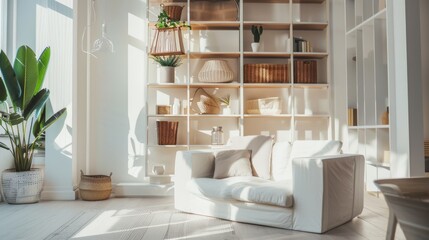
[156, 218]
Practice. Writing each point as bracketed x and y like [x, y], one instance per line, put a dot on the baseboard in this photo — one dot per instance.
[142, 189]
[59, 194]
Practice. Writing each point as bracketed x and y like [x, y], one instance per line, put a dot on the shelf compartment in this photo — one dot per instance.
[214, 85]
[267, 25]
[312, 116]
[166, 116]
[283, 1]
[318, 55]
[215, 25]
[266, 55]
[214, 54]
[279, 128]
[214, 116]
[310, 26]
[267, 115]
[311, 128]
[267, 85]
[308, 1]
[201, 128]
[167, 85]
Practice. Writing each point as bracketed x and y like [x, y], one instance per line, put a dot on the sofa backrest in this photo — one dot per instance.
[284, 152]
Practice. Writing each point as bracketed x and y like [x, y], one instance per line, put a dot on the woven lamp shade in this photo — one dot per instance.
[167, 41]
[216, 71]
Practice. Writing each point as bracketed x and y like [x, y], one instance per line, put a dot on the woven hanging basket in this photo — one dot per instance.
[174, 12]
[167, 41]
[215, 71]
[95, 187]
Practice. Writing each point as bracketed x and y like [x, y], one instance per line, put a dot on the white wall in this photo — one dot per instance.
[424, 31]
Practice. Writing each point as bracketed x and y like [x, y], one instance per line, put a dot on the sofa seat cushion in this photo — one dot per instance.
[277, 193]
[219, 188]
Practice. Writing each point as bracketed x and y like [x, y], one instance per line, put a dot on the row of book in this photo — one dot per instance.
[305, 71]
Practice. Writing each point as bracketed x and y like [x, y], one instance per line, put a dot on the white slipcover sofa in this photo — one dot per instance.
[310, 185]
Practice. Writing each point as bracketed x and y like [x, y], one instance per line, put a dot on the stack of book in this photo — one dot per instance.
[352, 117]
[301, 45]
[305, 71]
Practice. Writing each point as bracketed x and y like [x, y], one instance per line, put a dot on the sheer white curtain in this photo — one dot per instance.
[3, 24]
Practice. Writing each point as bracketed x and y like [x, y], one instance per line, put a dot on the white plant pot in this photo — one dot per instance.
[255, 47]
[22, 187]
[226, 110]
[166, 74]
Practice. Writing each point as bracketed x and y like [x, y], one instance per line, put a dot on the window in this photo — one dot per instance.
[3, 24]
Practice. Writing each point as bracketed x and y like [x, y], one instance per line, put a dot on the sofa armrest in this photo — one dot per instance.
[328, 191]
[188, 165]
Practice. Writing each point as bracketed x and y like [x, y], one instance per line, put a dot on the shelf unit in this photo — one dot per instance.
[306, 108]
[368, 84]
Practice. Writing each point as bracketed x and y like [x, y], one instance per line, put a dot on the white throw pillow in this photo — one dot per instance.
[261, 147]
[280, 167]
[232, 163]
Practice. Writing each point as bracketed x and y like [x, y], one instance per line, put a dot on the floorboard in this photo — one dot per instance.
[155, 218]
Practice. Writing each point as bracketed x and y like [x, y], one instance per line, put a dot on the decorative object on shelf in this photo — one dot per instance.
[264, 106]
[158, 169]
[22, 85]
[176, 107]
[352, 117]
[305, 71]
[226, 101]
[167, 132]
[204, 103]
[215, 71]
[163, 109]
[266, 73]
[385, 117]
[167, 67]
[217, 136]
[174, 12]
[167, 39]
[226, 10]
[426, 146]
[386, 157]
[257, 32]
[95, 187]
[301, 45]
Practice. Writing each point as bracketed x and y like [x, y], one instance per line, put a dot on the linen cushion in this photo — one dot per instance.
[232, 163]
[270, 193]
[280, 167]
[261, 147]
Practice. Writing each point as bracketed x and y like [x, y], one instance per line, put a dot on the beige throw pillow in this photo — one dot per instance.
[232, 163]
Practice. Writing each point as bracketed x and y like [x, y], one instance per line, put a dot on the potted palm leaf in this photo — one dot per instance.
[23, 121]
[167, 66]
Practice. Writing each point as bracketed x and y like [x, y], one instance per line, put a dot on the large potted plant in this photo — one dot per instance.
[21, 86]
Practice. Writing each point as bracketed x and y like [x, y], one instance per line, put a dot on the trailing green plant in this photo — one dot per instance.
[21, 85]
[168, 61]
[225, 100]
[164, 21]
[257, 32]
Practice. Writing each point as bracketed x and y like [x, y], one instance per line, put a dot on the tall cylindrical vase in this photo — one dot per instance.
[166, 74]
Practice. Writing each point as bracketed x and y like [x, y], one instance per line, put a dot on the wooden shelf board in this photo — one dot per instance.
[318, 55]
[170, 1]
[166, 116]
[309, 26]
[266, 55]
[312, 116]
[215, 25]
[166, 85]
[168, 146]
[214, 85]
[214, 116]
[267, 115]
[267, 85]
[214, 54]
[267, 25]
[308, 1]
[283, 1]
[310, 85]
[370, 127]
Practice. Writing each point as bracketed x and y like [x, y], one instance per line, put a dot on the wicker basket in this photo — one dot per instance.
[266, 73]
[95, 187]
[215, 71]
[204, 103]
[174, 12]
[426, 148]
[226, 10]
[163, 109]
[270, 105]
[305, 71]
[167, 132]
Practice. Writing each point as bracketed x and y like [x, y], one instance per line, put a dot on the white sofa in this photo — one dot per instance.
[311, 187]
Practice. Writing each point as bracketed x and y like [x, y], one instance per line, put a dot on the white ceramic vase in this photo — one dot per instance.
[215, 71]
[255, 46]
[166, 74]
[226, 110]
[22, 187]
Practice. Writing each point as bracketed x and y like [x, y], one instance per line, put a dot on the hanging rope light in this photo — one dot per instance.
[168, 36]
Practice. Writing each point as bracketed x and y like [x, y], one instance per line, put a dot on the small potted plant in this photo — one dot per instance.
[21, 85]
[167, 66]
[226, 101]
[257, 32]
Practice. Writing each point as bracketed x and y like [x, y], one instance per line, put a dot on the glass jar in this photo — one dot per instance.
[217, 135]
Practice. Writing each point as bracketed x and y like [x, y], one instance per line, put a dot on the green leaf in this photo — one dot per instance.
[3, 92]
[10, 81]
[43, 66]
[36, 103]
[27, 73]
[52, 120]
[15, 119]
[40, 122]
[2, 145]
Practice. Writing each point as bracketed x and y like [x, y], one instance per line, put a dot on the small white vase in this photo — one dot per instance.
[226, 110]
[166, 74]
[255, 47]
[158, 169]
